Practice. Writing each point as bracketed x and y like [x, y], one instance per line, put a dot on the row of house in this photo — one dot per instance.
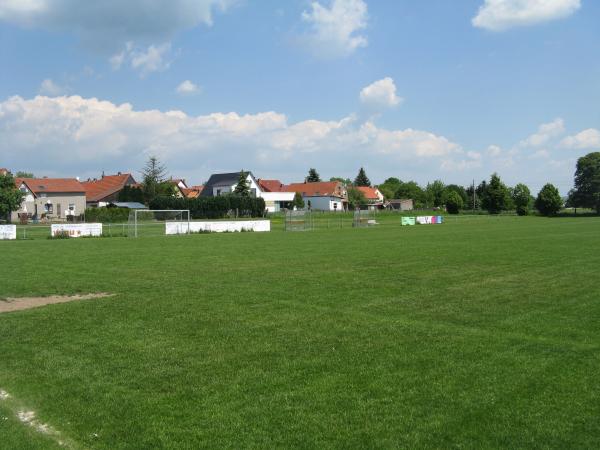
[65, 198]
[323, 196]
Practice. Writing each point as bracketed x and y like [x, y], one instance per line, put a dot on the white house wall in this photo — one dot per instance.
[226, 189]
[273, 200]
[63, 199]
[324, 203]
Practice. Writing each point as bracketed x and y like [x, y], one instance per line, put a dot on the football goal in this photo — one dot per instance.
[363, 218]
[153, 222]
[298, 221]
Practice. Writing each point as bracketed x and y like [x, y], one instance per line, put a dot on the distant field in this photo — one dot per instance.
[483, 332]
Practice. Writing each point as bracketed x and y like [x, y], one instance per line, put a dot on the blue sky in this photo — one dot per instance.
[417, 90]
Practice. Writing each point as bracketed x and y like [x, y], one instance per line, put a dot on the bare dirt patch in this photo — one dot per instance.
[18, 304]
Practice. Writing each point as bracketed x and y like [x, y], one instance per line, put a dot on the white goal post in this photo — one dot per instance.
[152, 220]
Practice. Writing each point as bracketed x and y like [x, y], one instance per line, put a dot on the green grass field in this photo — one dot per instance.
[479, 333]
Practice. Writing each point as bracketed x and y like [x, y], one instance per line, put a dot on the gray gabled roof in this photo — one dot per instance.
[220, 179]
[130, 205]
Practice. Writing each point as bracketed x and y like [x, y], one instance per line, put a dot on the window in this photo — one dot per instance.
[49, 208]
[71, 206]
[218, 192]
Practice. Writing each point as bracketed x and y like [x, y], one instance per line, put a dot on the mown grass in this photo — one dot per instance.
[480, 333]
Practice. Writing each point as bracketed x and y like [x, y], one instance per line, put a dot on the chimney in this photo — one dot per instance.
[118, 173]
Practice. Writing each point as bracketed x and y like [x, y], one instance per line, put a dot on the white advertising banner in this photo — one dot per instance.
[77, 229]
[8, 232]
[218, 226]
[429, 220]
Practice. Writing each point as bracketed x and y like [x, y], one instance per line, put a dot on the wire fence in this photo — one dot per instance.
[298, 221]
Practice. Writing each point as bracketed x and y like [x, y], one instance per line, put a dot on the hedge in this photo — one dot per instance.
[214, 207]
[107, 215]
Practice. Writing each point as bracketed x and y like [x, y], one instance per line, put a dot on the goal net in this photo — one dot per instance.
[298, 221]
[152, 222]
[363, 218]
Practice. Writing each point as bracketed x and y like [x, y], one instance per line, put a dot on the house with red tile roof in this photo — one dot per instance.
[100, 192]
[271, 185]
[225, 183]
[276, 195]
[50, 198]
[322, 195]
[373, 196]
[192, 192]
[180, 185]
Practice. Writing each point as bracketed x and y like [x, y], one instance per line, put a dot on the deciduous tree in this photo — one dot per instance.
[356, 198]
[435, 193]
[497, 196]
[454, 202]
[298, 201]
[10, 196]
[586, 193]
[548, 201]
[344, 181]
[522, 199]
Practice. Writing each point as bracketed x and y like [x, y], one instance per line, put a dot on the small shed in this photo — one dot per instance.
[401, 204]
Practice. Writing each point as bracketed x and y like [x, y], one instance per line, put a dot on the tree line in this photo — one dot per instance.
[493, 196]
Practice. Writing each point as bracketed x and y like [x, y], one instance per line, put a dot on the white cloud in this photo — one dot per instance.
[381, 93]
[335, 30]
[494, 151]
[499, 15]
[82, 136]
[584, 140]
[152, 59]
[187, 88]
[109, 24]
[545, 133]
[49, 87]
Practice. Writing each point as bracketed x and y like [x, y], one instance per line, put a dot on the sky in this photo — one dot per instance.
[434, 89]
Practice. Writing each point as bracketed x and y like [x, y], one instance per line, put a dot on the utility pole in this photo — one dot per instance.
[473, 195]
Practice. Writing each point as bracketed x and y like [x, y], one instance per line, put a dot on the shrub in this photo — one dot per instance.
[454, 202]
[60, 235]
